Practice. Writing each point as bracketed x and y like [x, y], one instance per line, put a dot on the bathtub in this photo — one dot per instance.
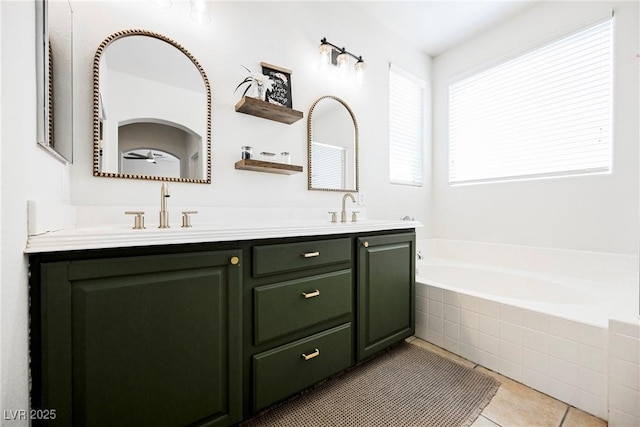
[543, 327]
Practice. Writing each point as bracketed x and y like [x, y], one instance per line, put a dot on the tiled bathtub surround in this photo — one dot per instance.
[562, 358]
[557, 347]
[624, 372]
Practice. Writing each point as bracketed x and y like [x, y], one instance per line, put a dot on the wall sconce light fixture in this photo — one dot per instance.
[339, 56]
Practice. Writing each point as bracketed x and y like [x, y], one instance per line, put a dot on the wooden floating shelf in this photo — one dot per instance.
[269, 167]
[257, 107]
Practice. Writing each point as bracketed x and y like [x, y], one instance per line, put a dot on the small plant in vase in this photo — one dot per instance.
[258, 81]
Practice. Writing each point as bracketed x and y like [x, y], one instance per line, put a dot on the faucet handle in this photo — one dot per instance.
[186, 219]
[334, 216]
[354, 216]
[138, 221]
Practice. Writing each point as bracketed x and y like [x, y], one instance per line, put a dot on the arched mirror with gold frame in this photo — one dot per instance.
[151, 110]
[332, 147]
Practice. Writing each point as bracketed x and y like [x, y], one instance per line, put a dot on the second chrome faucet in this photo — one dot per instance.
[343, 214]
[164, 215]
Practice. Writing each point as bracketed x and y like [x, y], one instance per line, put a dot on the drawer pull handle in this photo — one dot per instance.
[312, 355]
[365, 244]
[311, 254]
[311, 294]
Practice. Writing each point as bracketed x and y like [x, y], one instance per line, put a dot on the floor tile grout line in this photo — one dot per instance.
[564, 417]
[494, 422]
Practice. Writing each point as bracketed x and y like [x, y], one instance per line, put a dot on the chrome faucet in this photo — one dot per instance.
[343, 216]
[164, 215]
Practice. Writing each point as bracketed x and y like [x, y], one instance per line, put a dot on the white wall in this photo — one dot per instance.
[286, 34]
[27, 172]
[597, 213]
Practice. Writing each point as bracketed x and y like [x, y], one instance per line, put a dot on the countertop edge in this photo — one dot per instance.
[84, 239]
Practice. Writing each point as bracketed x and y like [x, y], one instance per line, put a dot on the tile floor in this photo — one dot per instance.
[516, 405]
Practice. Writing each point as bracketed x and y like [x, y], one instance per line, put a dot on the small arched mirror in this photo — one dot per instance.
[332, 146]
[151, 110]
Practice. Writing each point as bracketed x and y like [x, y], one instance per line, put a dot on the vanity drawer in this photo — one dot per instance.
[285, 370]
[270, 259]
[290, 306]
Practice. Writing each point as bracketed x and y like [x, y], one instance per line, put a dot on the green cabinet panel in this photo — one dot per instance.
[290, 306]
[147, 340]
[386, 289]
[285, 370]
[280, 258]
[180, 335]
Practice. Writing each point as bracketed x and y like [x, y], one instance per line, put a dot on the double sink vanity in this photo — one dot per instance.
[209, 325]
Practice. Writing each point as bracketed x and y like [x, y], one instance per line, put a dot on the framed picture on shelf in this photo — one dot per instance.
[280, 94]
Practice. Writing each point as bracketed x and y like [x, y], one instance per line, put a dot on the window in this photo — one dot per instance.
[329, 165]
[545, 113]
[406, 127]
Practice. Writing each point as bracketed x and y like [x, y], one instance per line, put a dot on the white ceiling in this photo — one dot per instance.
[434, 26]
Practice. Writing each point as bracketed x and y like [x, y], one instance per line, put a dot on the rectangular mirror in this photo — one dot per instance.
[54, 73]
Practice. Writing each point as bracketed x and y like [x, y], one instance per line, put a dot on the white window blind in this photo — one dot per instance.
[406, 127]
[545, 113]
[329, 165]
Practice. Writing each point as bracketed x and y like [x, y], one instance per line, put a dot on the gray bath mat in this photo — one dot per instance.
[406, 386]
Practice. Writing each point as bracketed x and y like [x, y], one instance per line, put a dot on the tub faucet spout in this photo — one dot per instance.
[164, 215]
[344, 209]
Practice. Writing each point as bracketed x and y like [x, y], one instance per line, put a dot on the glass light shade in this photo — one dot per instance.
[342, 61]
[325, 53]
[360, 67]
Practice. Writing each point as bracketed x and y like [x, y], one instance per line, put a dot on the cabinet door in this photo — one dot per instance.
[386, 287]
[149, 340]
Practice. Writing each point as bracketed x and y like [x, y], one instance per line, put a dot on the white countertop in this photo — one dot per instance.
[118, 236]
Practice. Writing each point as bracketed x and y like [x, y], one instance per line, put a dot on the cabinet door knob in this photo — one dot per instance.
[365, 244]
[234, 260]
[316, 353]
[311, 254]
[308, 295]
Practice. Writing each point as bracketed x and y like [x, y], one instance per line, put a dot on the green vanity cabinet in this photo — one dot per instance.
[386, 291]
[211, 333]
[141, 340]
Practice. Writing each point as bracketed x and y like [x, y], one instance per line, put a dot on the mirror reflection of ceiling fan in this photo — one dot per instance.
[150, 156]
